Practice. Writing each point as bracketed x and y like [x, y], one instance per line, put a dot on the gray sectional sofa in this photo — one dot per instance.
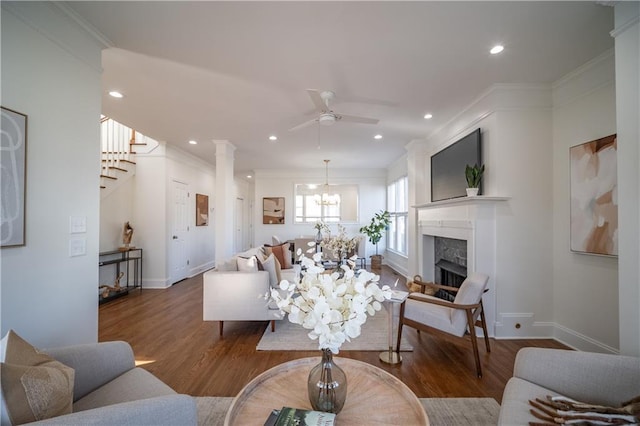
[110, 390]
[594, 378]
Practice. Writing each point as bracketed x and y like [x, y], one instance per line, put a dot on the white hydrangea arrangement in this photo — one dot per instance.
[332, 306]
[341, 244]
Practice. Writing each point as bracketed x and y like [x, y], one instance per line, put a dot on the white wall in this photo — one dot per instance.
[627, 47]
[150, 216]
[49, 298]
[116, 208]
[516, 138]
[200, 179]
[270, 183]
[583, 110]
[146, 201]
[527, 132]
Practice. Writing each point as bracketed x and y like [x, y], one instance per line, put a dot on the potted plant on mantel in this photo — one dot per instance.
[379, 222]
[473, 176]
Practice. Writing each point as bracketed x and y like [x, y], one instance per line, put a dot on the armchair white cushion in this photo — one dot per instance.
[425, 312]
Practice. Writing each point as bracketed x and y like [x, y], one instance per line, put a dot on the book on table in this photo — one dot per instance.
[288, 416]
[399, 295]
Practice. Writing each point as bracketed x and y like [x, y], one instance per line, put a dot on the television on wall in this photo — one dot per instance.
[447, 167]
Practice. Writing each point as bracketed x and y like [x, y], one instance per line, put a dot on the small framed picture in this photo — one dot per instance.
[273, 210]
[14, 175]
[202, 210]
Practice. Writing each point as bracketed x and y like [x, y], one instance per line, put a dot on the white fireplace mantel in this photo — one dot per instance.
[471, 219]
[460, 201]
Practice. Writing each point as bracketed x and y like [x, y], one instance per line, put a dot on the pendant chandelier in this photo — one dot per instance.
[325, 198]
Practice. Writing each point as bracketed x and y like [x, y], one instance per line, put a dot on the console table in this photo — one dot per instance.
[373, 395]
[132, 259]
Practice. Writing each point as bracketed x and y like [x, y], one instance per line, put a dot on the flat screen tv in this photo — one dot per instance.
[447, 167]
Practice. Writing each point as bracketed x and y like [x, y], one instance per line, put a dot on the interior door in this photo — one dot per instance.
[238, 226]
[178, 258]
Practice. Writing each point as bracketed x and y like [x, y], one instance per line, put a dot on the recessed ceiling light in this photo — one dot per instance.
[116, 94]
[273, 138]
[377, 137]
[192, 142]
[428, 116]
[496, 49]
[249, 176]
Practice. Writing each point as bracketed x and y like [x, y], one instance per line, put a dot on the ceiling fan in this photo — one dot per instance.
[326, 116]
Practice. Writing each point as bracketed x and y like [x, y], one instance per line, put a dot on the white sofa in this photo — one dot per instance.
[232, 295]
[593, 378]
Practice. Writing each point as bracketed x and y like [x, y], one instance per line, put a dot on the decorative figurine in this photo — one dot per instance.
[127, 233]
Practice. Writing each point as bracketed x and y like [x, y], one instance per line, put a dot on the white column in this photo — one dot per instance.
[627, 46]
[416, 182]
[224, 200]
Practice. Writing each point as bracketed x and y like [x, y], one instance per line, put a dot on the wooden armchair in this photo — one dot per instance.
[424, 312]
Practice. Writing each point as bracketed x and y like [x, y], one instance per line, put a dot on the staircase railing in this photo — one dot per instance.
[119, 144]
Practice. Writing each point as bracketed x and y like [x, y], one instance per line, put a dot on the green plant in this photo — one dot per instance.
[379, 222]
[473, 175]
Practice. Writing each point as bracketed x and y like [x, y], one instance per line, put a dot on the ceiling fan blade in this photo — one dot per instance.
[303, 124]
[317, 100]
[356, 119]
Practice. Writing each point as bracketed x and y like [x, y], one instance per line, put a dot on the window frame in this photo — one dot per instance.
[398, 208]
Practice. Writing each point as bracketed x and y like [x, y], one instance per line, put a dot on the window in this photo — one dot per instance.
[343, 208]
[309, 210]
[398, 208]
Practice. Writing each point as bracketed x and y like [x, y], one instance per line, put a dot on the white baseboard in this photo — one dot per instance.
[201, 268]
[400, 269]
[507, 328]
[581, 342]
[522, 326]
[148, 284]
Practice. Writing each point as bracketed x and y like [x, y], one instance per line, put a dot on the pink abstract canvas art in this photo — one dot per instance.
[594, 197]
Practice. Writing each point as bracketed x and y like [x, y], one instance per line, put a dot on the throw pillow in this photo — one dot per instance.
[34, 385]
[272, 266]
[247, 264]
[228, 265]
[255, 251]
[282, 253]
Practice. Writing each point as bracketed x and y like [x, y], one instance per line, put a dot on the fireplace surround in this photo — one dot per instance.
[472, 220]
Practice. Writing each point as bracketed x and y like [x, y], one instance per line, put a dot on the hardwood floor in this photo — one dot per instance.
[170, 339]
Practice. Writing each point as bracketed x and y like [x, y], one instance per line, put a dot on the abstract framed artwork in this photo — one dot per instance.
[594, 197]
[13, 145]
[202, 210]
[273, 210]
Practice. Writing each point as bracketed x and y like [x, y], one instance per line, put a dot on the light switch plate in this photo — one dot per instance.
[77, 246]
[77, 224]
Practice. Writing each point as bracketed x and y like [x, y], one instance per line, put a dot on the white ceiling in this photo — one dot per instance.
[239, 70]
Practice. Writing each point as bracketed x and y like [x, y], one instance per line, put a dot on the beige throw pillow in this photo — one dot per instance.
[34, 385]
[249, 264]
[272, 266]
[228, 265]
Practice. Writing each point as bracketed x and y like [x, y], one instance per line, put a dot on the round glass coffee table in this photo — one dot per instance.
[374, 397]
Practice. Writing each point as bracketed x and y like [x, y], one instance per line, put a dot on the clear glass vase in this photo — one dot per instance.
[327, 385]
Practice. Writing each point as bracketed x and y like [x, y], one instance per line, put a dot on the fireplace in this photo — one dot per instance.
[450, 266]
[470, 222]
